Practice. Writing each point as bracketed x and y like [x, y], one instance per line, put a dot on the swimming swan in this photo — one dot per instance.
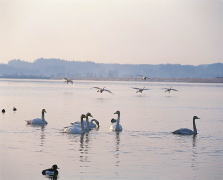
[38, 121]
[76, 128]
[88, 125]
[116, 126]
[185, 131]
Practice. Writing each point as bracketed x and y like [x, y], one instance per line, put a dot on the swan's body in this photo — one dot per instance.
[116, 126]
[38, 121]
[140, 90]
[101, 90]
[51, 171]
[185, 131]
[76, 128]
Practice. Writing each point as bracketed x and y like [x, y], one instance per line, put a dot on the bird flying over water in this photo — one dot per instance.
[169, 89]
[101, 90]
[140, 90]
[68, 80]
[144, 77]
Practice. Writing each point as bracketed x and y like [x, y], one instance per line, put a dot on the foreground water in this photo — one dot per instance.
[145, 149]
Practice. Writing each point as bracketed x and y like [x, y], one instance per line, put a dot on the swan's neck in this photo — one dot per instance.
[194, 127]
[87, 122]
[118, 120]
[82, 124]
[43, 118]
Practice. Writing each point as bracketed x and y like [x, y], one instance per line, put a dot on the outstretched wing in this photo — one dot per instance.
[173, 89]
[96, 87]
[146, 89]
[107, 90]
[135, 88]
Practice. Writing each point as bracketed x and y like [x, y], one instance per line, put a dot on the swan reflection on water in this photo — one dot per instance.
[84, 140]
[117, 149]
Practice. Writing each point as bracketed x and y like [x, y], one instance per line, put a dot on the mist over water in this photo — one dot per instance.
[145, 149]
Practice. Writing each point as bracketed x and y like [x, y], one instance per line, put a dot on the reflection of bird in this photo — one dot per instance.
[68, 81]
[185, 131]
[52, 172]
[76, 128]
[169, 89]
[116, 126]
[140, 90]
[38, 121]
[14, 109]
[101, 90]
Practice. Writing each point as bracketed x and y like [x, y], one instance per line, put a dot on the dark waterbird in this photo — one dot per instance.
[51, 172]
[3, 110]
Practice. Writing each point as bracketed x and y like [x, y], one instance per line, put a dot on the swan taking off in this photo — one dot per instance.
[101, 90]
[185, 131]
[169, 89]
[38, 121]
[76, 128]
[68, 81]
[116, 126]
[140, 90]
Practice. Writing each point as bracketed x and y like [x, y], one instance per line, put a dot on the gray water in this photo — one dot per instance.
[145, 149]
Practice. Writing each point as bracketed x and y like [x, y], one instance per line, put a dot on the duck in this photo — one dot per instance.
[185, 131]
[101, 90]
[115, 123]
[38, 121]
[3, 110]
[14, 109]
[76, 128]
[51, 171]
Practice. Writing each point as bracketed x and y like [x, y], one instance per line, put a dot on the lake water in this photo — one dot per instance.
[145, 149]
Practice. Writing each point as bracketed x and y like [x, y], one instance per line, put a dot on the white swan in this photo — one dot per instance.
[76, 128]
[185, 131]
[38, 121]
[116, 126]
[88, 125]
[101, 90]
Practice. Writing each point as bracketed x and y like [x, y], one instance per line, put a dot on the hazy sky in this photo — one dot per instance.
[113, 31]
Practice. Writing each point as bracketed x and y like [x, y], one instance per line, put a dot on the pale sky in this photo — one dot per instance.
[113, 31]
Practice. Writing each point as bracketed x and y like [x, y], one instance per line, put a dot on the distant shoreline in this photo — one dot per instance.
[183, 80]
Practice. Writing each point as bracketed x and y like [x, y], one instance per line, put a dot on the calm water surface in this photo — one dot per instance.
[145, 149]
